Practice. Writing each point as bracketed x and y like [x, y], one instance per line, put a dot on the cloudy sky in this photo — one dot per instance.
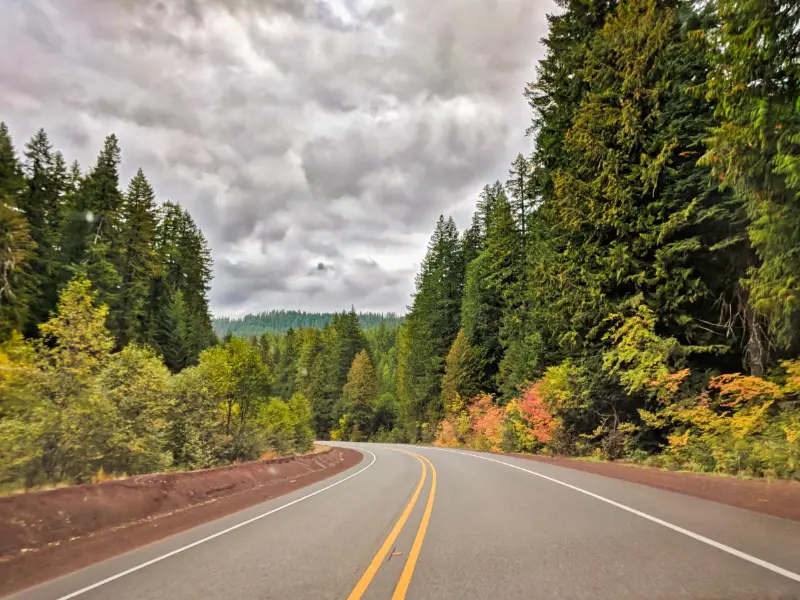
[314, 141]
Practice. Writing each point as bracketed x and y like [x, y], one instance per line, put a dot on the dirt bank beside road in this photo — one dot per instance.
[777, 498]
[47, 534]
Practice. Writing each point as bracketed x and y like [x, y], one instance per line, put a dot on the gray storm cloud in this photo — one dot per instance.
[315, 142]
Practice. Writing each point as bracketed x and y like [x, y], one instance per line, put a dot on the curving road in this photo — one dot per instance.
[428, 523]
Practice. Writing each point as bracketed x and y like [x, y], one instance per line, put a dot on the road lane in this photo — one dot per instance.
[509, 534]
[492, 532]
[390, 543]
[317, 548]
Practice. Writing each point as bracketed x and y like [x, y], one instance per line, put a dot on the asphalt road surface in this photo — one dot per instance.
[455, 524]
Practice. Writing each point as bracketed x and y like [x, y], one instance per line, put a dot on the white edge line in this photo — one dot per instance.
[212, 536]
[752, 559]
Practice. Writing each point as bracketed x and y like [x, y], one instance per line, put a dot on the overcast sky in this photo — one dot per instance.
[314, 141]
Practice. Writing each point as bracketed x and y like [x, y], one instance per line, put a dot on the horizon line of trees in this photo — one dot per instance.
[280, 321]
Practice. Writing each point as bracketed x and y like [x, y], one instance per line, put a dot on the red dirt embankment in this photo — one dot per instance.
[57, 531]
[777, 498]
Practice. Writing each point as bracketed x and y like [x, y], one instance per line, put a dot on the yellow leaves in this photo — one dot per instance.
[792, 369]
[792, 433]
[678, 440]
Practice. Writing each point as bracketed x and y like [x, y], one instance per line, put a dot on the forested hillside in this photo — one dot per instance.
[281, 321]
[119, 371]
[631, 288]
[149, 263]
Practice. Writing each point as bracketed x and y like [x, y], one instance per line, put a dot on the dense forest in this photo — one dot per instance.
[630, 290]
[108, 361]
[281, 321]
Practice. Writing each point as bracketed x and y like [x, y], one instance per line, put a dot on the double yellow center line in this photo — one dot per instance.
[388, 544]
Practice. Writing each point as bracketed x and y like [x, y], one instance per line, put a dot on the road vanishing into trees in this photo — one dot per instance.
[430, 523]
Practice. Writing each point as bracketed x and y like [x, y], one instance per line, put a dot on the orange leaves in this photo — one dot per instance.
[446, 436]
[533, 410]
[487, 422]
[478, 426]
[671, 382]
[525, 424]
[736, 389]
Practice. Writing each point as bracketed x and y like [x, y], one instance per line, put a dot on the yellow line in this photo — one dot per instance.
[369, 574]
[408, 570]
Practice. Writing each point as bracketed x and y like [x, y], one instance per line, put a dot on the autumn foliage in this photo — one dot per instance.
[479, 425]
[525, 424]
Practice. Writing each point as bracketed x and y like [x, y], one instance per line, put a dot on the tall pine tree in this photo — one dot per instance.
[754, 149]
[139, 264]
[16, 244]
[42, 204]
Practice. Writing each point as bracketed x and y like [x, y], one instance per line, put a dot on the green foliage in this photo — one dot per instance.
[359, 396]
[70, 406]
[16, 244]
[300, 409]
[754, 148]
[287, 425]
[151, 266]
[431, 327]
[460, 373]
[493, 282]
[139, 263]
[43, 206]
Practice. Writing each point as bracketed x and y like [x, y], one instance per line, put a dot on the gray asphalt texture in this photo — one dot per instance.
[496, 532]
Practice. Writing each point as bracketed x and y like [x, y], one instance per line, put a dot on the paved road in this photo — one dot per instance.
[495, 527]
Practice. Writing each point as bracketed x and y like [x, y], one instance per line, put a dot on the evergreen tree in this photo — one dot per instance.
[432, 325]
[459, 380]
[16, 244]
[641, 217]
[349, 340]
[139, 264]
[754, 149]
[286, 371]
[520, 192]
[173, 337]
[359, 395]
[91, 236]
[186, 268]
[556, 94]
[472, 241]
[42, 204]
[492, 291]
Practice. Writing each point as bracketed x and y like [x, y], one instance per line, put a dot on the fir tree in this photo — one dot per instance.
[42, 204]
[360, 393]
[91, 236]
[520, 192]
[459, 380]
[139, 263]
[16, 244]
[754, 149]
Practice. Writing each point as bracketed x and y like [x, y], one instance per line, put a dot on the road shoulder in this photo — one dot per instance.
[776, 498]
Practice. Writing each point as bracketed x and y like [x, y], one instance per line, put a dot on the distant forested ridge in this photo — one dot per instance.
[281, 321]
